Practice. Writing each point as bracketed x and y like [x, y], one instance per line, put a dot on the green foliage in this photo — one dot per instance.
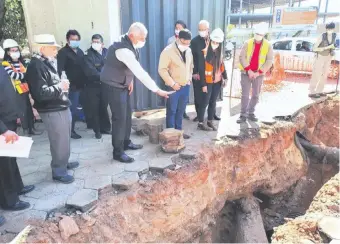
[14, 26]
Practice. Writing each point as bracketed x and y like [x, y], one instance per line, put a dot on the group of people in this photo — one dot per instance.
[57, 77]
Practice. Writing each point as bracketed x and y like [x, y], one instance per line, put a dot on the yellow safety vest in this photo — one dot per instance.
[263, 52]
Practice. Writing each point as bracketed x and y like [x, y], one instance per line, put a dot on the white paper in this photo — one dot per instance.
[19, 149]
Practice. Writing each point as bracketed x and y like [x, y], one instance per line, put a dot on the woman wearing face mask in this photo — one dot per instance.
[14, 65]
[215, 78]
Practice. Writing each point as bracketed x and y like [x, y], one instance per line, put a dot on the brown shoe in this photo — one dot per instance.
[211, 125]
[202, 126]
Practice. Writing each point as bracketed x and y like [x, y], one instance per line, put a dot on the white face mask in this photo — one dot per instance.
[203, 33]
[139, 44]
[258, 37]
[15, 55]
[214, 46]
[330, 32]
[97, 46]
[182, 48]
[177, 32]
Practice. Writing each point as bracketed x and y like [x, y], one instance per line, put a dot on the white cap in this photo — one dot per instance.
[8, 43]
[45, 40]
[217, 35]
[261, 28]
[2, 53]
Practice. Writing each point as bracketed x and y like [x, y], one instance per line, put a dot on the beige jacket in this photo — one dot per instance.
[171, 67]
[269, 60]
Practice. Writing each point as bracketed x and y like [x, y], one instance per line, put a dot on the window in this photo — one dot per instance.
[304, 46]
[283, 45]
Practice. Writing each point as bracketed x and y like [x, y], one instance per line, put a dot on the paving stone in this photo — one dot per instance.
[83, 199]
[28, 168]
[43, 189]
[160, 164]
[188, 153]
[125, 180]
[17, 223]
[137, 166]
[98, 183]
[50, 202]
[36, 177]
[330, 226]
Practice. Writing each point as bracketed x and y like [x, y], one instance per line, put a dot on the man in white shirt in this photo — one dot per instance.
[120, 68]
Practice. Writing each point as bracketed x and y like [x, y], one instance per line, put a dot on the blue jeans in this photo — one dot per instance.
[74, 98]
[175, 107]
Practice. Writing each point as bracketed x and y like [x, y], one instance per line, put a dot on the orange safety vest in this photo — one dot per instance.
[17, 84]
[209, 70]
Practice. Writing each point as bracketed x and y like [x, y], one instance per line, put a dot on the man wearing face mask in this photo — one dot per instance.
[324, 48]
[256, 58]
[70, 60]
[93, 64]
[198, 45]
[120, 68]
[175, 68]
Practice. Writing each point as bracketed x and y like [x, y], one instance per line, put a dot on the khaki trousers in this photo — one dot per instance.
[320, 74]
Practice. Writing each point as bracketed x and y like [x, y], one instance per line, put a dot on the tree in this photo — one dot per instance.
[12, 21]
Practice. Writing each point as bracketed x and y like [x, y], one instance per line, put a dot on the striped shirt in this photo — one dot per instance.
[15, 75]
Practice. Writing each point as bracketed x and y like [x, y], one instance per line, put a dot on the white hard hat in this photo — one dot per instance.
[8, 43]
[261, 28]
[217, 35]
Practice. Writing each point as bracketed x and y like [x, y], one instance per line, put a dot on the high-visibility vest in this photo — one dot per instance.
[17, 84]
[263, 52]
[209, 71]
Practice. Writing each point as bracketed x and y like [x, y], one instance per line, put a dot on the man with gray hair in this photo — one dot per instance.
[120, 68]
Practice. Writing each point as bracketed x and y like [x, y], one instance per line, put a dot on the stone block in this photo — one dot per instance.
[140, 126]
[83, 199]
[125, 180]
[154, 130]
[140, 167]
[98, 183]
[171, 140]
[67, 227]
[160, 164]
[188, 154]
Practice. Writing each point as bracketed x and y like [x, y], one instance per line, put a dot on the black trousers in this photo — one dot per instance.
[197, 94]
[10, 179]
[120, 105]
[27, 116]
[209, 99]
[97, 108]
[84, 100]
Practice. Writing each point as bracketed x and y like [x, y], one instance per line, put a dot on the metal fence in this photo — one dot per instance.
[159, 16]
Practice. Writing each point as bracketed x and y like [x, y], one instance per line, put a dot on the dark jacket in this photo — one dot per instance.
[71, 62]
[93, 63]
[197, 45]
[8, 101]
[116, 73]
[43, 80]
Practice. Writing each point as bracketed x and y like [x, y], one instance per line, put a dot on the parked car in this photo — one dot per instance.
[297, 55]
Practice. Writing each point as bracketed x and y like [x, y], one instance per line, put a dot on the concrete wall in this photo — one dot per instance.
[87, 16]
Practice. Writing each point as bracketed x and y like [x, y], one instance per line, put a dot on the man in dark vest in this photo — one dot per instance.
[324, 48]
[120, 68]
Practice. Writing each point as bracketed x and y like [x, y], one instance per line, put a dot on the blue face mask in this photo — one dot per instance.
[74, 44]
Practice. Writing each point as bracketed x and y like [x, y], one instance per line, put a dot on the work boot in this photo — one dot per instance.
[242, 119]
[216, 117]
[73, 165]
[19, 205]
[185, 116]
[123, 158]
[314, 95]
[202, 126]
[211, 125]
[132, 146]
[195, 119]
[74, 135]
[253, 118]
[67, 179]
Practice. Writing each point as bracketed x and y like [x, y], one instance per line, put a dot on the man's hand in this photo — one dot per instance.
[256, 74]
[10, 136]
[176, 87]
[251, 74]
[164, 94]
[224, 83]
[65, 85]
[207, 42]
[130, 88]
[205, 89]
[196, 76]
